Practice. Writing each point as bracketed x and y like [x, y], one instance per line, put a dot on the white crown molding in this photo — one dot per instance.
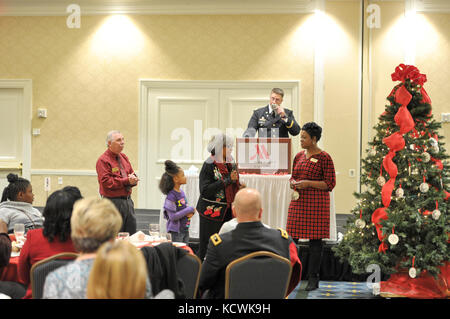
[156, 7]
[434, 6]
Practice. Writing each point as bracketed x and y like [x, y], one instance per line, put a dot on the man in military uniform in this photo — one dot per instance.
[249, 236]
[273, 120]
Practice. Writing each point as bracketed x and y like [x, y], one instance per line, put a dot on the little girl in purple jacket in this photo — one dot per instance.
[176, 210]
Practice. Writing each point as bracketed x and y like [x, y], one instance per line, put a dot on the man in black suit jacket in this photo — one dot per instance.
[250, 235]
[273, 120]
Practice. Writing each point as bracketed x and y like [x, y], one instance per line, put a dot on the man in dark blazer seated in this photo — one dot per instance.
[273, 120]
[250, 235]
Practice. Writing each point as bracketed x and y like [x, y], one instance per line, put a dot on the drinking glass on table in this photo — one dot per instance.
[123, 236]
[165, 237]
[154, 231]
[19, 232]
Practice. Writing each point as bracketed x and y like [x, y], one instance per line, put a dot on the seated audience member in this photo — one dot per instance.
[94, 222]
[249, 236]
[15, 205]
[119, 272]
[9, 289]
[54, 238]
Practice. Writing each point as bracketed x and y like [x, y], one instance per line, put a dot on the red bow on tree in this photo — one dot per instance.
[403, 72]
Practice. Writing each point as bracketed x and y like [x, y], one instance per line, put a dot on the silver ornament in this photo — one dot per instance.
[426, 157]
[433, 141]
[373, 152]
[393, 239]
[399, 193]
[412, 272]
[295, 195]
[424, 187]
[412, 147]
[360, 223]
[435, 148]
[436, 214]
[381, 181]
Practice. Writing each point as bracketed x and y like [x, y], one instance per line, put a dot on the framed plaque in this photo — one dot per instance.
[263, 155]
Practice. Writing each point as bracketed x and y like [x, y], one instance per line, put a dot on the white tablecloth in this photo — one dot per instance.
[275, 193]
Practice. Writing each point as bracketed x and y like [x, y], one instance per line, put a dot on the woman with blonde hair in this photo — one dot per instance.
[119, 272]
[94, 221]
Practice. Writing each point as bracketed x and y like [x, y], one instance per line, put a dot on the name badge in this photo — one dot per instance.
[314, 160]
[115, 169]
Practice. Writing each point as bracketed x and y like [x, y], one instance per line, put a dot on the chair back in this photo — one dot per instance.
[258, 275]
[188, 268]
[41, 269]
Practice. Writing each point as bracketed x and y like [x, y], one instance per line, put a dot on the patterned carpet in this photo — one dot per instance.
[334, 290]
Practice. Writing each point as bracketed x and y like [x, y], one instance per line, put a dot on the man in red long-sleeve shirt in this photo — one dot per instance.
[116, 177]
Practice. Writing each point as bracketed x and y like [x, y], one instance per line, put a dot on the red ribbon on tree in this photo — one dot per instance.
[395, 142]
[378, 215]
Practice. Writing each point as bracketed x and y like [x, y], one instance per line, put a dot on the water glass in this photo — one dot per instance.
[123, 236]
[19, 232]
[165, 237]
[154, 231]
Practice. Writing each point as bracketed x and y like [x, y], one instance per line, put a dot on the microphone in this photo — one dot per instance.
[273, 106]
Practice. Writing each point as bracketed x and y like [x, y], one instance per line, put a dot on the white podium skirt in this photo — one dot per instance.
[275, 195]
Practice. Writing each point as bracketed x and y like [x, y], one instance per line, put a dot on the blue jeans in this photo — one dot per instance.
[182, 237]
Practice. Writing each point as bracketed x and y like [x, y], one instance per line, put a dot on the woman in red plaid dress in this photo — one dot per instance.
[313, 178]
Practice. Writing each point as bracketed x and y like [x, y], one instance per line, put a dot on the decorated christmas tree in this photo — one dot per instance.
[401, 220]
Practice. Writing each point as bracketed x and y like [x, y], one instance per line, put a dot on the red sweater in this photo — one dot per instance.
[111, 182]
[36, 248]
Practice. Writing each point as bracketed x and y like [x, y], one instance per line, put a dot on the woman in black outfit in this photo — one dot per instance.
[219, 183]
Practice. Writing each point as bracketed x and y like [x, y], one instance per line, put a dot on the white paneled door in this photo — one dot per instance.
[178, 118]
[15, 120]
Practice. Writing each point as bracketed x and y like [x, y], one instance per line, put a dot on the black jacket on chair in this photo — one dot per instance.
[267, 124]
[161, 264]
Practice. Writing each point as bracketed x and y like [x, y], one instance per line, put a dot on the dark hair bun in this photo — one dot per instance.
[171, 167]
[12, 178]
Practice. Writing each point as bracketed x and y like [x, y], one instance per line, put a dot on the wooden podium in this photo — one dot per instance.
[263, 155]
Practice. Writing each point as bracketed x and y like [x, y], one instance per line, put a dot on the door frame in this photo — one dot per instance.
[26, 85]
[145, 85]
